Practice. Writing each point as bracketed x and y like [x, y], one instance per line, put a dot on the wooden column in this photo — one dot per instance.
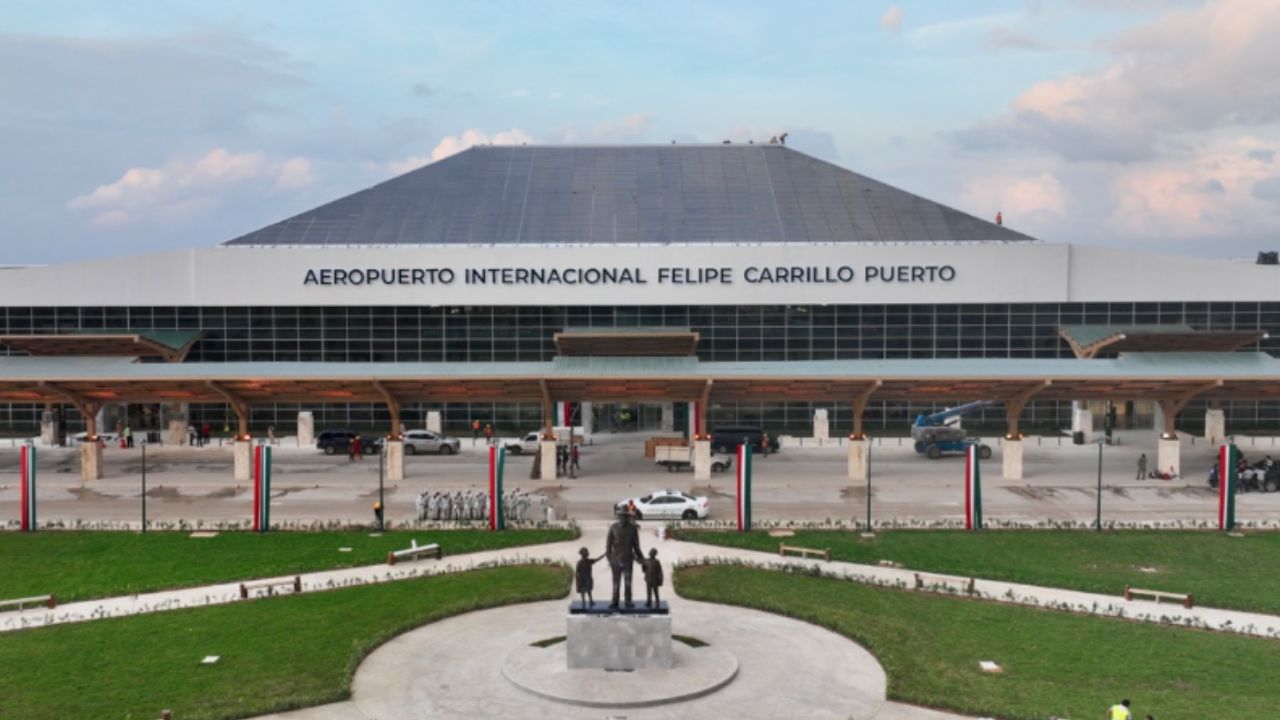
[704, 402]
[238, 405]
[1171, 406]
[87, 408]
[393, 407]
[1015, 405]
[548, 411]
[860, 402]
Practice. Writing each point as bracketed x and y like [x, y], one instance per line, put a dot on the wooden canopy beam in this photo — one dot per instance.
[87, 408]
[393, 406]
[860, 401]
[548, 423]
[238, 404]
[1171, 406]
[1015, 405]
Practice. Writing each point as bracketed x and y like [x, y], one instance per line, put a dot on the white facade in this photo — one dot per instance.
[644, 275]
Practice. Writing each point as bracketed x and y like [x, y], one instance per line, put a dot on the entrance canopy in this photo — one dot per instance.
[1154, 376]
[1088, 341]
[170, 345]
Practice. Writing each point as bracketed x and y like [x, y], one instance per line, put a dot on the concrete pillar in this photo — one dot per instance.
[433, 421]
[1215, 426]
[1169, 456]
[548, 459]
[306, 429]
[177, 432]
[1082, 419]
[48, 428]
[394, 459]
[821, 428]
[1011, 457]
[588, 422]
[702, 460]
[668, 417]
[858, 465]
[243, 454]
[90, 461]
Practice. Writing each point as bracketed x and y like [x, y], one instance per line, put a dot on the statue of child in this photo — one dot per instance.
[652, 579]
[582, 576]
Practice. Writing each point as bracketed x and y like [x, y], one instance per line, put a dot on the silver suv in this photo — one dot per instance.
[425, 441]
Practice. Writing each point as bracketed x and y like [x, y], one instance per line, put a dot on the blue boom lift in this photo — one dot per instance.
[934, 437]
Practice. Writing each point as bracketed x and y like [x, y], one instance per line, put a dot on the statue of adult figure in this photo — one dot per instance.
[623, 550]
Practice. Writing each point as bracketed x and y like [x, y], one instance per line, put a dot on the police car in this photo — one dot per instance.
[667, 505]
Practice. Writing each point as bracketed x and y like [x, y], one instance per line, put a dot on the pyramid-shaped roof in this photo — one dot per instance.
[660, 194]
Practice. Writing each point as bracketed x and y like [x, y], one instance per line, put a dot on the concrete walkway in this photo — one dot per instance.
[670, 551]
[451, 669]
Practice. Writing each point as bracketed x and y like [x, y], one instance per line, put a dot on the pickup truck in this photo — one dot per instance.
[678, 457]
[526, 444]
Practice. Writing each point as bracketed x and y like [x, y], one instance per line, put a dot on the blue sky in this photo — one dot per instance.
[1133, 123]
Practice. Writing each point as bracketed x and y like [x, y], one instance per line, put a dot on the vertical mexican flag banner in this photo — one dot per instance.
[1228, 455]
[744, 487]
[27, 474]
[497, 455]
[262, 488]
[972, 490]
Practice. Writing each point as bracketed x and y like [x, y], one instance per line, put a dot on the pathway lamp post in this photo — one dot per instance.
[1097, 518]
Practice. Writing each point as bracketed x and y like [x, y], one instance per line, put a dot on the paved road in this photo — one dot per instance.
[798, 484]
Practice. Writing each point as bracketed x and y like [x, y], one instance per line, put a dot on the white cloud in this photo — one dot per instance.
[454, 144]
[1189, 70]
[631, 128]
[182, 188]
[892, 19]
[1022, 199]
[296, 172]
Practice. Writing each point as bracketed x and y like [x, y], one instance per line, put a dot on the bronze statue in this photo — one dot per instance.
[652, 580]
[623, 550]
[585, 582]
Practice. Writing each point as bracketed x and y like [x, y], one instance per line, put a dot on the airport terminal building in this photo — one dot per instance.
[753, 253]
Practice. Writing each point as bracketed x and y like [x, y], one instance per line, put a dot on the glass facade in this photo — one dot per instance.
[728, 333]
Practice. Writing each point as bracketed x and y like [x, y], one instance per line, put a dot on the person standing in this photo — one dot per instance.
[574, 456]
[353, 448]
[488, 434]
[128, 436]
[1120, 711]
[206, 432]
[1142, 466]
[475, 431]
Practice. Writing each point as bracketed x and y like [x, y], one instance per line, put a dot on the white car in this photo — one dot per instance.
[526, 444]
[668, 505]
[106, 437]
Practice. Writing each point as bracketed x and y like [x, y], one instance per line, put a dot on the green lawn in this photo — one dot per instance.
[276, 654]
[82, 565]
[1220, 571]
[1055, 664]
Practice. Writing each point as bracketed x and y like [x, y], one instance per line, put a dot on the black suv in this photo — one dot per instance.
[339, 441]
[727, 439]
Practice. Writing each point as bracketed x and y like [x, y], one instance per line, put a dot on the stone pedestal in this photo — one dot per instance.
[1169, 456]
[243, 453]
[618, 642]
[176, 433]
[434, 423]
[395, 459]
[858, 465]
[1215, 426]
[1082, 420]
[1011, 456]
[702, 460]
[306, 429]
[90, 461]
[668, 417]
[821, 428]
[548, 459]
[48, 428]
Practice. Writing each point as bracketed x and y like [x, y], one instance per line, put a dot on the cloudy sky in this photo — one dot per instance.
[1146, 124]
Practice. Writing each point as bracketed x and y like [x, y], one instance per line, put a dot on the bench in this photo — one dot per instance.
[246, 588]
[966, 586]
[825, 553]
[415, 551]
[1185, 598]
[48, 601]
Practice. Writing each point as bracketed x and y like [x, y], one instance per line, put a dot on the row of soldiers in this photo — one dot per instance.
[474, 505]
